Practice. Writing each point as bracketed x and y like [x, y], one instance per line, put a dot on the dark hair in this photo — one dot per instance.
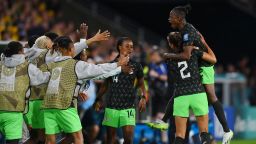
[32, 39]
[182, 11]
[175, 38]
[12, 48]
[51, 35]
[120, 42]
[61, 42]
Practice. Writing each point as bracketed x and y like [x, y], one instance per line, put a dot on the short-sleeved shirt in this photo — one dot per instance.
[121, 90]
[190, 37]
[187, 79]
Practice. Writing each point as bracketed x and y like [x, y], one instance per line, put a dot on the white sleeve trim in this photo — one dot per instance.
[79, 46]
[86, 70]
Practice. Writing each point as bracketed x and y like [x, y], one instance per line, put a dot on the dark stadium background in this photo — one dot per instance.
[228, 30]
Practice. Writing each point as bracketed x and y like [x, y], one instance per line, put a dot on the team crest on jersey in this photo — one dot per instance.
[185, 37]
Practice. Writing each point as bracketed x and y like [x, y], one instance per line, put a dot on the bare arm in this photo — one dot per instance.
[144, 98]
[99, 37]
[103, 89]
[99, 99]
[210, 56]
[185, 55]
[142, 87]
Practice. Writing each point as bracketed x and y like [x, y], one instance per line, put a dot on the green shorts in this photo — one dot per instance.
[37, 115]
[57, 120]
[119, 118]
[207, 74]
[197, 102]
[28, 116]
[11, 125]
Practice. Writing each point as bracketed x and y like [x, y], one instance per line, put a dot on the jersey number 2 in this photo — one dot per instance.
[185, 66]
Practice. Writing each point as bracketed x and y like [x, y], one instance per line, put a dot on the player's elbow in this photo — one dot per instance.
[213, 61]
[186, 56]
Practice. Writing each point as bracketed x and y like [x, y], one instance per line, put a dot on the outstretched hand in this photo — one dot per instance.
[83, 30]
[83, 96]
[101, 36]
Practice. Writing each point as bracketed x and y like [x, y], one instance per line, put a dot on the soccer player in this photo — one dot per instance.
[59, 104]
[16, 77]
[120, 107]
[191, 37]
[190, 93]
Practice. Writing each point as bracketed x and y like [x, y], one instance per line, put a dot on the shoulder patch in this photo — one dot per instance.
[185, 37]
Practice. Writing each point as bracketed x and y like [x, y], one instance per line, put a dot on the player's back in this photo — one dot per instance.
[191, 37]
[187, 76]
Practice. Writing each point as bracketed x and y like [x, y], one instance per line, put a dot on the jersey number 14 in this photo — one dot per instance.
[184, 66]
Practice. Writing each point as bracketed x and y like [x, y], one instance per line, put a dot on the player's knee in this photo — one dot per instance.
[78, 137]
[96, 129]
[205, 138]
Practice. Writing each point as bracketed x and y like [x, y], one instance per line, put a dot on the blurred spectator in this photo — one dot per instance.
[231, 68]
[158, 84]
[22, 19]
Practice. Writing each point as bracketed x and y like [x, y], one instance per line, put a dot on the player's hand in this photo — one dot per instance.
[101, 36]
[153, 73]
[142, 104]
[83, 30]
[98, 105]
[83, 96]
[165, 55]
[127, 69]
[123, 60]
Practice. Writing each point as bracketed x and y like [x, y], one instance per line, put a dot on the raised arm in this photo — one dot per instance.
[83, 44]
[210, 56]
[184, 55]
[99, 37]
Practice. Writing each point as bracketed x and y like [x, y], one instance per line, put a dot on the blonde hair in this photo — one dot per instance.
[42, 42]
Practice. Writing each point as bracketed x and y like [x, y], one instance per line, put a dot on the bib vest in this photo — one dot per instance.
[14, 83]
[38, 92]
[62, 85]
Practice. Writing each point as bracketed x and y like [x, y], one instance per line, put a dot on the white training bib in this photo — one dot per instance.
[7, 81]
[53, 86]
